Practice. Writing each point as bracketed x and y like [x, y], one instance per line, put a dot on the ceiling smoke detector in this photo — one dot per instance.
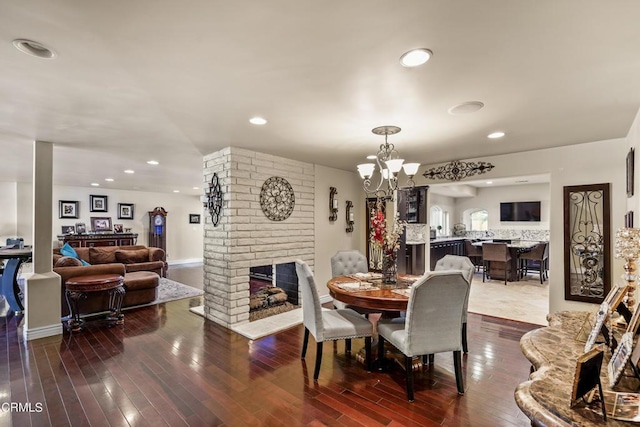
[33, 48]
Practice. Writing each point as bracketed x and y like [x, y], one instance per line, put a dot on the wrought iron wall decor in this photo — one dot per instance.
[333, 204]
[277, 198]
[457, 170]
[214, 200]
[349, 216]
[587, 246]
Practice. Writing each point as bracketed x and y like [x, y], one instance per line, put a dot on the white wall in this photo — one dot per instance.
[184, 240]
[581, 164]
[489, 198]
[9, 211]
[331, 236]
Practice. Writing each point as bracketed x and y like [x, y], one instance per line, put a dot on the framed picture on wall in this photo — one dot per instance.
[97, 203]
[194, 218]
[67, 209]
[125, 210]
[630, 171]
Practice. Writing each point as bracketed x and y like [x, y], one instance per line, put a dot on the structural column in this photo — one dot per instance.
[42, 287]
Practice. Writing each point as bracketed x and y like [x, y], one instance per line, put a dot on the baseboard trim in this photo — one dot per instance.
[325, 299]
[193, 262]
[42, 332]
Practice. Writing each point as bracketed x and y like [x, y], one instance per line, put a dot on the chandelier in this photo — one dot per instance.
[389, 165]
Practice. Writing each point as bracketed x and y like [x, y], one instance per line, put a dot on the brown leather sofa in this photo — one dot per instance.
[135, 263]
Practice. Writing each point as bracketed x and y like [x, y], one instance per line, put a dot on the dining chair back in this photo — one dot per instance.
[349, 262]
[432, 324]
[328, 325]
[540, 254]
[497, 253]
[466, 267]
[474, 253]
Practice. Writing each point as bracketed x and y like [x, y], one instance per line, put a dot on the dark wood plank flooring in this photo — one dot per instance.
[167, 366]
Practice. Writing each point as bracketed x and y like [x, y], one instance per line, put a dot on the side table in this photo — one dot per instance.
[78, 287]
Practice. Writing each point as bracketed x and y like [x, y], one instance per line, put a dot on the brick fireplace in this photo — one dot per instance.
[245, 237]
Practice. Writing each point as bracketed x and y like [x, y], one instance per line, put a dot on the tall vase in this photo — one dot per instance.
[389, 268]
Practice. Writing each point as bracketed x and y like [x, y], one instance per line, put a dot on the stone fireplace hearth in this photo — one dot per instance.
[245, 237]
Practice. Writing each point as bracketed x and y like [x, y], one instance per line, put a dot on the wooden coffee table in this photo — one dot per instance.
[78, 287]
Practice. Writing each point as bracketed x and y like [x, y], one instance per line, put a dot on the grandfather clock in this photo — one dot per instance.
[158, 228]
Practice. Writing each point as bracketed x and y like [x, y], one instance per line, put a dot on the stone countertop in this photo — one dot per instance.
[545, 398]
[447, 239]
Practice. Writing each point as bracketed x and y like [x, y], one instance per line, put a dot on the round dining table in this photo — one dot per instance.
[373, 294]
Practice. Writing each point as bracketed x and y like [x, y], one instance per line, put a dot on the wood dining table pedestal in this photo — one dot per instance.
[371, 293]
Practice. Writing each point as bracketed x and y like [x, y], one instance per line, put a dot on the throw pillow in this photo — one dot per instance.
[67, 261]
[67, 250]
[102, 255]
[132, 257]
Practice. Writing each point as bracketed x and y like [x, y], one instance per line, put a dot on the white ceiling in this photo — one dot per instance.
[172, 81]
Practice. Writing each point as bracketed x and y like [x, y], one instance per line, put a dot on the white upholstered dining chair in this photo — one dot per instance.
[467, 268]
[432, 324]
[328, 325]
[349, 262]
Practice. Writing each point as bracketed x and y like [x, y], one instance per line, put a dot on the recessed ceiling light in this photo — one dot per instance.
[489, 182]
[371, 157]
[196, 188]
[153, 162]
[95, 184]
[415, 57]
[496, 135]
[523, 180]
[129, 171]
[109, 179]
[258, 121]
[466, 108]
[176, 191]
[34, 49]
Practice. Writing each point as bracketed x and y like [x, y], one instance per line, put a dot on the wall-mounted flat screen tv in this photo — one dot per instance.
[520, 211]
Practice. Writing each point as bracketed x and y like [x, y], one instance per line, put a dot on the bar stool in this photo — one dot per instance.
[495, 252]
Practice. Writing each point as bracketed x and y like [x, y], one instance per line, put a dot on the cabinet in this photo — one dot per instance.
[412, 208]
[445, 247]
[102, 239]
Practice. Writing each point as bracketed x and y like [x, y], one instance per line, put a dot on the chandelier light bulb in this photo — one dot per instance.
[410, 169]
[366, 170]
[394, 165]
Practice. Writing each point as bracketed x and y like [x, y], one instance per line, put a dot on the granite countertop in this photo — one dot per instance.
[448, 239]
[545, 398]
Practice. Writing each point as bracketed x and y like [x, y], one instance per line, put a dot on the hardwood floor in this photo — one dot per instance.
[167, 366]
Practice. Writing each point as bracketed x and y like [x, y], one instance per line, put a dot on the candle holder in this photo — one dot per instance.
[628, 248]
[349, 216]
[333, 204]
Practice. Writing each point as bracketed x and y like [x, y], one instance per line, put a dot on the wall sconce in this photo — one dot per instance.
[349, 216]
[333, 204]
[213, 201]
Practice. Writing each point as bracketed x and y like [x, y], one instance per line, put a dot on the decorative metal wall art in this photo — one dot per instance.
[349, 216]
[587, 253]
[333, 204]
[277, 198]
[457, 170]
[214, 200]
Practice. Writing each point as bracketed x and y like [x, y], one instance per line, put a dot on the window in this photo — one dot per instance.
[478, 220]
[439, 218]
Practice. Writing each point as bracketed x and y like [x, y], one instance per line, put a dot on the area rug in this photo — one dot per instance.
[263, 327]
[170, 290]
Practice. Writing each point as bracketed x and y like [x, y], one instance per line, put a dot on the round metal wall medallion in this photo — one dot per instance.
[277, 199]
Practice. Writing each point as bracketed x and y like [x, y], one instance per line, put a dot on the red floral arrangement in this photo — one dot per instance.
[387, 240]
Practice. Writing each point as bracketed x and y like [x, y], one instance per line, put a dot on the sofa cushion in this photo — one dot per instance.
[67, 250]
[132, 257]
[141, 280]
[102, 255]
